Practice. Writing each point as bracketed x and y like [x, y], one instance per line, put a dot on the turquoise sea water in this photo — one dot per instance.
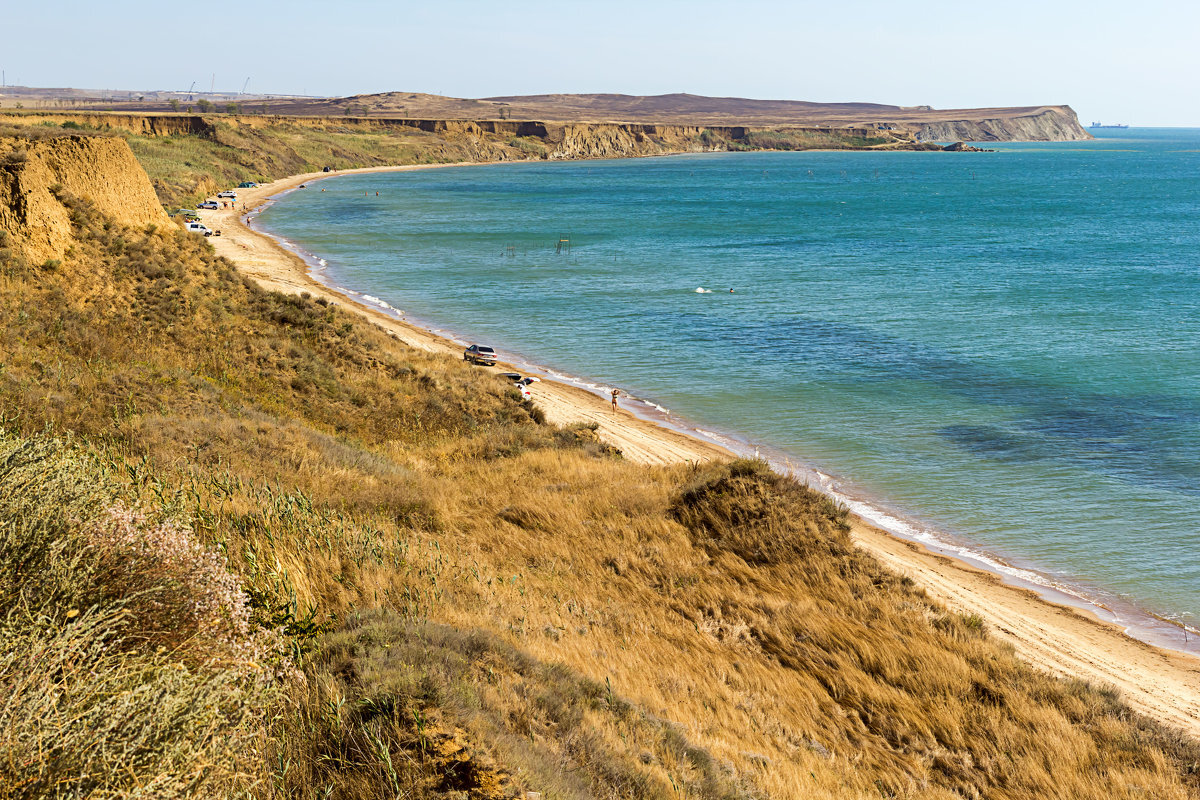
[999, 351]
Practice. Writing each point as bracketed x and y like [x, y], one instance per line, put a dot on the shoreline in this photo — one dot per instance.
[1135, 621]
[1061, 638]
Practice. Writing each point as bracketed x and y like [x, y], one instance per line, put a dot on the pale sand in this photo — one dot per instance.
[1160, 683]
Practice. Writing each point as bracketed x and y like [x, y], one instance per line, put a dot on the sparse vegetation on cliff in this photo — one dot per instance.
[603, 629]
[190, 158]
[812, 139]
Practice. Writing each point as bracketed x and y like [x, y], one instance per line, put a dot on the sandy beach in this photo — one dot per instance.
[1163, 684]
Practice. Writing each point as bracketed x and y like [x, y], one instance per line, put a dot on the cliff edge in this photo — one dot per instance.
[1046, 124]
[1015, 123]
[101, 169]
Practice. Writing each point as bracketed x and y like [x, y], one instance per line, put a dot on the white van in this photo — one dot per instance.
[198, 227]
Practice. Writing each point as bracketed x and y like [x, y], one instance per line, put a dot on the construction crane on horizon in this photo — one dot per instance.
[244, 85]
[193, 86]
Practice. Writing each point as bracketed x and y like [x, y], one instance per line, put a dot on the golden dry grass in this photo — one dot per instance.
[187, 167]
[477, 594]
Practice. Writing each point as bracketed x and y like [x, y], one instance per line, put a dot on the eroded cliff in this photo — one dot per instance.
[33, 171]
[1048, 124]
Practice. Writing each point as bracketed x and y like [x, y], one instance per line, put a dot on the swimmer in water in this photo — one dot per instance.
[731, 290]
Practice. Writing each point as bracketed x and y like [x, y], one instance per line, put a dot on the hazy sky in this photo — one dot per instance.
[1135, 62]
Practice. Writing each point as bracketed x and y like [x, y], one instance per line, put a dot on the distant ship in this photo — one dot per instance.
[1098, 125]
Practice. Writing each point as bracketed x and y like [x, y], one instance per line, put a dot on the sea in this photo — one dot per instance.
[996, 354]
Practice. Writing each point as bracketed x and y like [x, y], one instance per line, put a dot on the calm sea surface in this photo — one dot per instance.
[999, 350]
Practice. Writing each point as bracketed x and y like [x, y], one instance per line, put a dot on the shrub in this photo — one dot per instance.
[528, 145]
[126, 651]
[84, 717]
[178, 592]
[15, 158]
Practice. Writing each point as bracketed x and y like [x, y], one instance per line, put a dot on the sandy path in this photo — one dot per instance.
[1162, 684]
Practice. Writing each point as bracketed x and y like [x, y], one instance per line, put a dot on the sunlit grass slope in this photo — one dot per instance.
[187, 167]
[434, 594]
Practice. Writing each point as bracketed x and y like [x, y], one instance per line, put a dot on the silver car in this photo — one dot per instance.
[480, 354]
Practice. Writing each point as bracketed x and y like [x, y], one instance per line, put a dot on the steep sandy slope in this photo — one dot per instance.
[102, 169]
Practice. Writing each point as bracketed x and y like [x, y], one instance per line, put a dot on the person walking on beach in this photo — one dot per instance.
[615, 394]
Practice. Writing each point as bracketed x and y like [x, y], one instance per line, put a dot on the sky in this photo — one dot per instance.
[1130, 62]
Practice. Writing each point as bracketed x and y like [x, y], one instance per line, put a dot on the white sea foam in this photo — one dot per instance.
[376, 301]
[702, 290]
[716, 437]
[908, 530]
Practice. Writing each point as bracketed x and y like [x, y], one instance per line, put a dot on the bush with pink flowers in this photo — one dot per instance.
[179, 593]
[130, 662]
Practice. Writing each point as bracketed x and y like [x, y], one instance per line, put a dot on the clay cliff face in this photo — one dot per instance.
[1050, 124]
[582, 140]
[101, 169]
[141, 124]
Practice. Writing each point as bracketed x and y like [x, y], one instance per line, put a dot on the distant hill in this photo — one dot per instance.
[680, 107]
[979, 124]
[1046, 122]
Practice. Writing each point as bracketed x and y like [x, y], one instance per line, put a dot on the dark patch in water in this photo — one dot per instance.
[1145, 440]
[995, 443]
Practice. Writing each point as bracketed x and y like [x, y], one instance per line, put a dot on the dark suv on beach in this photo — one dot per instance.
[479, 354]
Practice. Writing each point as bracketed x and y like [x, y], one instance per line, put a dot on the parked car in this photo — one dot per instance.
[522, 384]
[480, 354]
[198, 227]
[209, 204]
[247, 185]
[229, 194]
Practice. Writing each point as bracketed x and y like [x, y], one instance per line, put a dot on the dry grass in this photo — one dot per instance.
[486, 604]
[427, 709]
[186, 168]
[94, 702]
